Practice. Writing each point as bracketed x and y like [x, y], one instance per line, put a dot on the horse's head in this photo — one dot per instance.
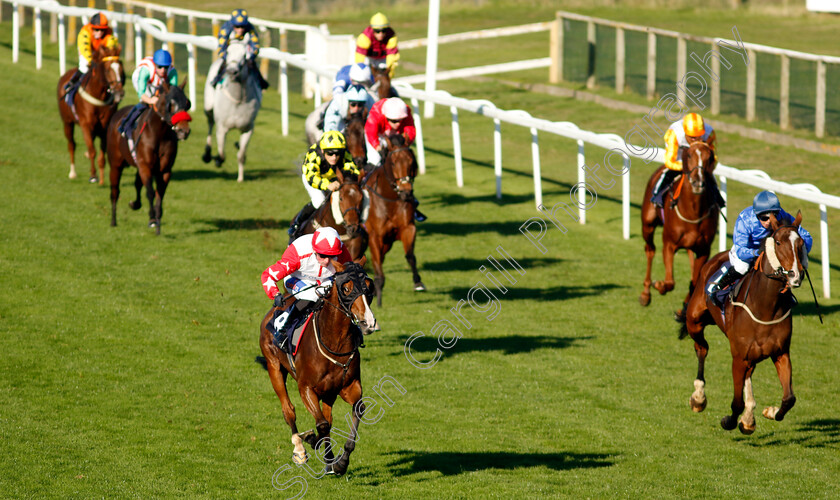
[235, 62]
[106, 62]
[173, 109]
[353, 290]
[350, 200]
[354, 133]
[400, 165]
[785, 251]
[699, 163]
[381, 79]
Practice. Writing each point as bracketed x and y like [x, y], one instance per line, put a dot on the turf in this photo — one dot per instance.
[128, 359]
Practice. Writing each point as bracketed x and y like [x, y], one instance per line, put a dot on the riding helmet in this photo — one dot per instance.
[395, 109]
[360, 73]
[693, 125]
[326, 241]
[356, 93]
[162, 58]
[766, 201]
[378, 21]
[99, 21]
[332, 139]
[239, 18]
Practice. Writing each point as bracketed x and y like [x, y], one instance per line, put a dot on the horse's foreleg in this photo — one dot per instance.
[161, 181]
[739, 375]
[71, 147]
[277, 373]
[322, 426]
[241, 155]
[408, 236]
[650, 250]
[352, 394]
[668, 251]
[101, 162]
[91, 152]
[221, 133]
[785, 372]
[376, 258]
[115, 175]
[746, 423]
[208, 145]
[701, 349]
[136, 204]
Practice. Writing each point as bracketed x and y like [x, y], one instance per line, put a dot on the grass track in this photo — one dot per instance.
[128, 359]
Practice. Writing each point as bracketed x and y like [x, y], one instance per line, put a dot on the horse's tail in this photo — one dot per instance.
[683, 330]
[262, 362]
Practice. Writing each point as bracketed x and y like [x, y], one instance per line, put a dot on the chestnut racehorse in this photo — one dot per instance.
[327, 363]
[350, 230]
[689, 219]
[382, 81]
[156, 135]
[757, 322]
[391, 217]
[100, 90]
[354, 134]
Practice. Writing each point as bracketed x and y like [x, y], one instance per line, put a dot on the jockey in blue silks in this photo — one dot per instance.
[752, 226]
[238, 27]
[352, 74]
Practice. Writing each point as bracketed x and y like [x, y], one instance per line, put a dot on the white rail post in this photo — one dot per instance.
[826, 263]
[751, 72]
[581, 191]
[418, 140]
[39, 45]
[625, 196]
[62, 44]
[535, 158]
[456, 148]
[784, 93]
[722, 244]
[715, 82]
[191, 70]
[619, 60]
[138, 44]
[651, 66]
[432, 55]
[681, 66]
[819, 122]
[15, 32]
[497, 155]
[284, 97]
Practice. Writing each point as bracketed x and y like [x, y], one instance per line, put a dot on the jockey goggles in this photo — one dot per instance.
[766, 216]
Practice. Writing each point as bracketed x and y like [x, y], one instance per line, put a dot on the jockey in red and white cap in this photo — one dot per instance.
[304, 266]
[387, 117]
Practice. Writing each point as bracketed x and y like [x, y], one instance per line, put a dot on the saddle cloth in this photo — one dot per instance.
[299, 325]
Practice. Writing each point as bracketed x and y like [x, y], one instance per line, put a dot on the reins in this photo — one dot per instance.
[94, 100]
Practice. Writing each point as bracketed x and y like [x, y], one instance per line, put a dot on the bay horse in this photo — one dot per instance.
[757, 322]
[689, 219]
[354, 134]
[234, 105]
[326, 363]
[391, 216]
[100, 91]
[349, 201]
[381, 81]
[156, 134]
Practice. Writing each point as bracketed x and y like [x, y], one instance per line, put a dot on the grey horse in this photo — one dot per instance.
[234, 104]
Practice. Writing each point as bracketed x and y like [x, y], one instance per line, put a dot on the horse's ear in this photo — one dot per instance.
[774, 222]
[798, 220]
[361, 260]
[339, 267]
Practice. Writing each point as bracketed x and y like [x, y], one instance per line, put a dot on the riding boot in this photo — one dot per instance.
[726, 277]
[253, 65]
[300, 220]
[127, 123]
[282, 325]
[72, 82]
[418, 215]
[218, 78]
[662, 186]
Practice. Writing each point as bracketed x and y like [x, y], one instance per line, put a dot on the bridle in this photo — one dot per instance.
[402, 194]
[354, 208]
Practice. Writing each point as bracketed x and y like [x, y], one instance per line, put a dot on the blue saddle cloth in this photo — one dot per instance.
[297, 324]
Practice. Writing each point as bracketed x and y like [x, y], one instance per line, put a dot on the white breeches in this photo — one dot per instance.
[373, 156]
[739, 265]
[316, 195]
[83, 64]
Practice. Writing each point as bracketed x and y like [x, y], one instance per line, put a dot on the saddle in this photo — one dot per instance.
[297, 327]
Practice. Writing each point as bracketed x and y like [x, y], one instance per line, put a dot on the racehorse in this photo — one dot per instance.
[156, 137]
[391, 216]
[234, 105]
[326, 363]
[100, 90]
[757, 322]
[344, 205]
[381, 81]
[689, 219]
[354, 134]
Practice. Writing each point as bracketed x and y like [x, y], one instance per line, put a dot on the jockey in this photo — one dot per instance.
[388, 117]
[680, 135]
[94, 34]
[147, 78]
[343, 105]
[378, 43]
[752, 226]
[304, 265]
[239, 28]
[352, 74]
[319, 174]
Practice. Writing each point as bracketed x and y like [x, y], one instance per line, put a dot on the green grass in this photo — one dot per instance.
[128, 358]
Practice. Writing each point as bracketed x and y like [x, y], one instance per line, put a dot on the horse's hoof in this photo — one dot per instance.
[300, 459]
[218, 161]
[746, 430]
[770, 412]
[660, 287]
[134, 205]
[71, 175]
[419, 287]
[236, 145]
[153, 223]
[644, 299]
[728, 423]
[206, 157]
[93, 180]
[697, 406]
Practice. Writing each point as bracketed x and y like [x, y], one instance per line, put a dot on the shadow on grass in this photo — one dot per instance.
[509, 344]
[241, 224]
[546, 294]
[464, 264]
[430, 228]
[817, 433]
[222, 173]
[452, 463]
[449, 199]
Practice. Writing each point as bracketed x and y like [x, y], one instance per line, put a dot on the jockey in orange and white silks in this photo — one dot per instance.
[378, 43]
[679, 136]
